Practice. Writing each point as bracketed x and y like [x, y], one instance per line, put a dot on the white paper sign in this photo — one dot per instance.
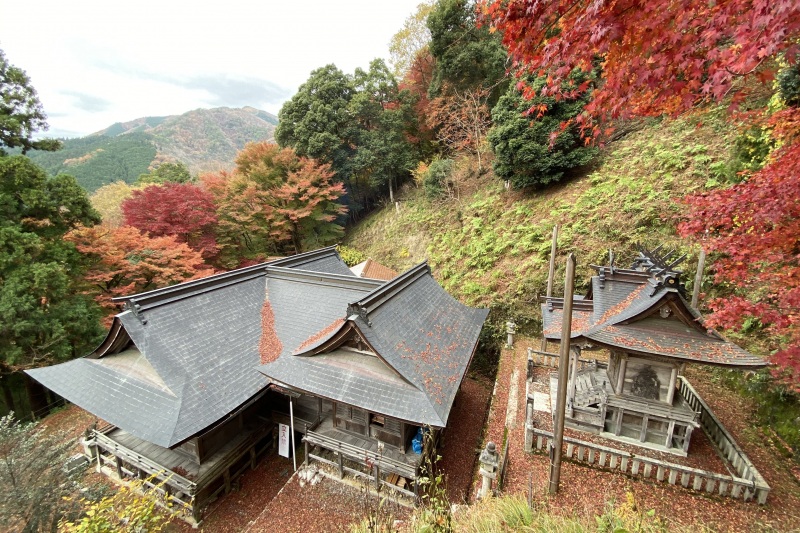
[283, 440]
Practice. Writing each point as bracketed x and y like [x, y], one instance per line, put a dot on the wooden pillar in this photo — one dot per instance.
[294, 445]
[341, 465]
[226, 476]
[573, 374]
[305, 459]
[118, 463]
[623, 366]
[551, 274]
[686, 439]
[618, 423]
[253, 457]
[643, 432]
[195, 512]
[561, 400]
[671, 390]
[670, 432]
[698, 278]
[377, 471]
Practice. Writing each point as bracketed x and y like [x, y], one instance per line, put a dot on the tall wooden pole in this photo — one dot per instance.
[551, 274]
[563, 372]
[698, 278]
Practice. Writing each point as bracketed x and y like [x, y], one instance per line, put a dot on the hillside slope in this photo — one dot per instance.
[203, 139]
[491, 247]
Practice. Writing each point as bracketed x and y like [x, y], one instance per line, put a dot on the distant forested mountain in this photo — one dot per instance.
[203, 139]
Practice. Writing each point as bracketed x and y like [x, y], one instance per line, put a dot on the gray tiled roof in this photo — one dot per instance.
[623, 313]
[198, 345]
[423, 336]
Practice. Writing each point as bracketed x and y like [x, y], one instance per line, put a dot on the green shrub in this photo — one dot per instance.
[351, 256]
[436, 178]
[789, 85]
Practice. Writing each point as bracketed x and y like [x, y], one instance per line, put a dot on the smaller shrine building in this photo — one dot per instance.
[641, 319]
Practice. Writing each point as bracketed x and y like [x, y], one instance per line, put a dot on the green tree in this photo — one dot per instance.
[34, 485]
[467, 56]
[43, 317]
[316, 122]
[384, 114]
[166, 173]
[532, 149]
[360, 125]
[21, 114]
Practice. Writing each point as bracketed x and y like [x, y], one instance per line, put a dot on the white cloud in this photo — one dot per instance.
[95, 63]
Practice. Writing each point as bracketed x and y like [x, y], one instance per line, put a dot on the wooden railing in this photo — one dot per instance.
[189, 495]
[653, 469]
[723, 440]
[174, 487]
[376, 462]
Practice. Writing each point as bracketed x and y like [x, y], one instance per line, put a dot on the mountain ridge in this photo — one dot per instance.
[205, 140]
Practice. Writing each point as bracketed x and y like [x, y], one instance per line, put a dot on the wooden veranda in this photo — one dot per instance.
[185, 484]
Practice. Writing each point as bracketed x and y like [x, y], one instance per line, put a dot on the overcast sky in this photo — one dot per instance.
[96, 63]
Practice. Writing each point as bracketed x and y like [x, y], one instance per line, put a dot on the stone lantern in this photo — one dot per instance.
[488, 470]
[511, 329]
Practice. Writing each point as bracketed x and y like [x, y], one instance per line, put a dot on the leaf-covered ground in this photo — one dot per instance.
[586, 492]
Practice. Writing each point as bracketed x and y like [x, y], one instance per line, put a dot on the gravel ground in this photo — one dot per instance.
[586, 491]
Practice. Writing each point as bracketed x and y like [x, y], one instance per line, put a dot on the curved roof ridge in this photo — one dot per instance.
[306, 257]
[322, 278]
[386, 291]
[147, 300]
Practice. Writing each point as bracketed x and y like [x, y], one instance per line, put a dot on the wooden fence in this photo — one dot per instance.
[723, 440]
[653, 469]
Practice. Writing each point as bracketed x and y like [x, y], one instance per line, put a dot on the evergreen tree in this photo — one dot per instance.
[532, 149]
[43, 317]
[21, 113]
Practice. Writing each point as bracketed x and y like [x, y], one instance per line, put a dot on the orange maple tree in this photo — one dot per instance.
[274, 202]
[126, 261]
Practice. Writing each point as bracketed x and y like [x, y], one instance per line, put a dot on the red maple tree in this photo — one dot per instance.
[665, 57]
[655, 57]
[182, 210]
[755, 227]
